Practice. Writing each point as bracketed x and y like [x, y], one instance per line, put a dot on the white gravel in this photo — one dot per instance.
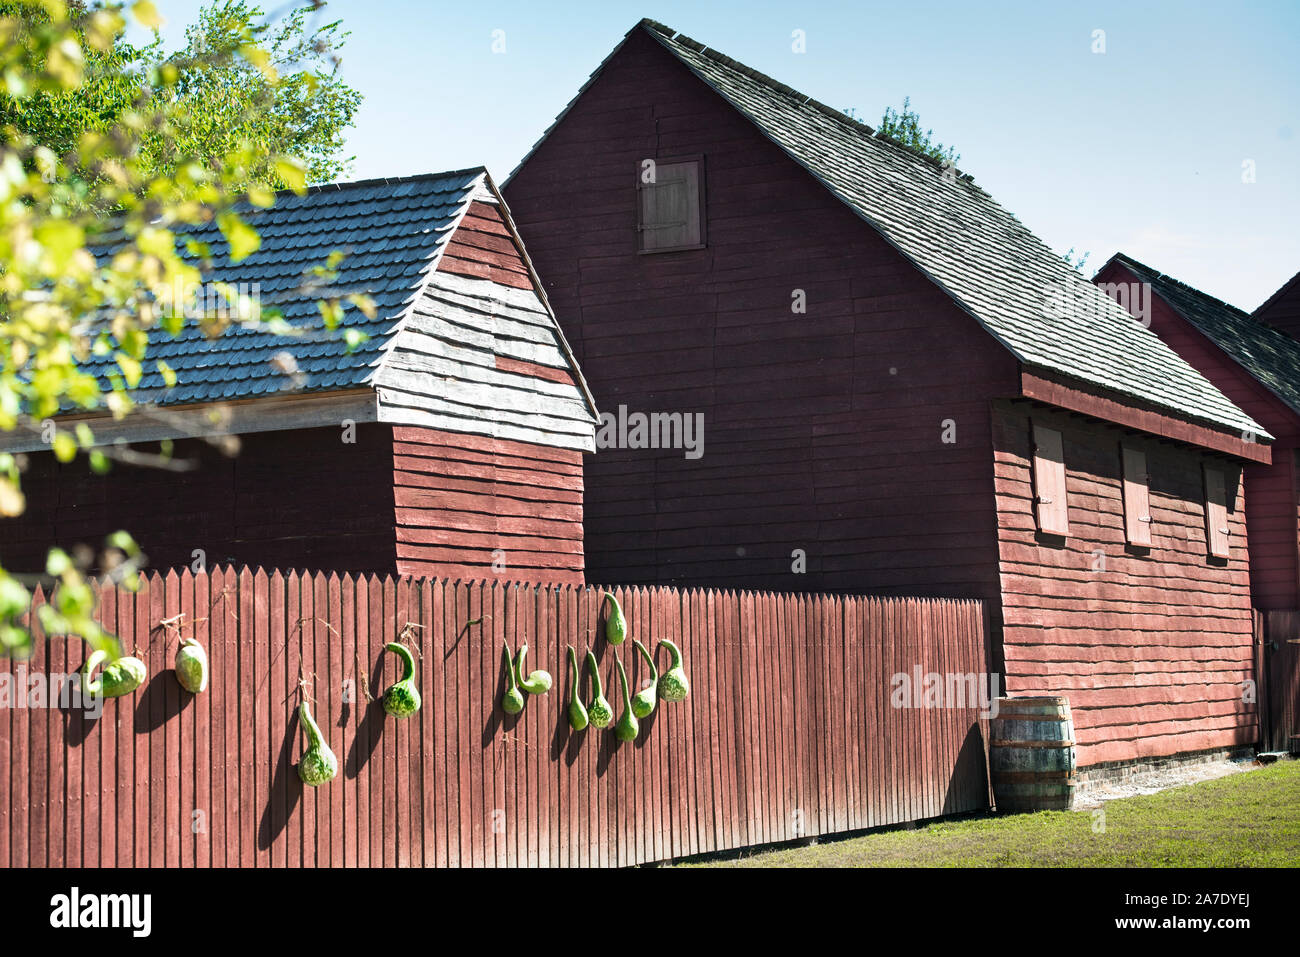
[1150, 782]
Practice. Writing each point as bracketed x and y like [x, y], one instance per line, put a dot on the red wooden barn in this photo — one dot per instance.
[449, 442]
[1258, 366]
[902, 390]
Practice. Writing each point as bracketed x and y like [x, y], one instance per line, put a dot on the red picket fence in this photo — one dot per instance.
[788, 731]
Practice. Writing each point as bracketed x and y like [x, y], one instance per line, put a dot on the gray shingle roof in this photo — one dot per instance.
[980, 254]
[1268, 354]
[392, 233]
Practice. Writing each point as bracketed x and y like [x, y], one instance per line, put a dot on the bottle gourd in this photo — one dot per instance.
[599, 711]
[539, 682]
[192, 666]
[402, 699]
[643, 702]
[615, 624]
[673, 685]
[627, 727]
[318, 764]
[577, 713]
[512, 702]
[119, 677]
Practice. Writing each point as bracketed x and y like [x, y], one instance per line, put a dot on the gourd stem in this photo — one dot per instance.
[622, 677]
[310, 728]
[510, 666]
[595, 675]
[573, 676]
[674, 652]
[654, 672]
[408, 661]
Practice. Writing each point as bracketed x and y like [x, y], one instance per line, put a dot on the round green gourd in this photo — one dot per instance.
[577, 713]
[318, 764]
[539, 682]
[643, 702]
[119, 677]
[627, 727]
[615, 624]
[673, 685]
[599, 711]
[512, 702]
[192, 666]
[402, 699]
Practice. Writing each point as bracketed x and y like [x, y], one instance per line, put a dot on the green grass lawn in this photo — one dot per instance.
[1250, 819]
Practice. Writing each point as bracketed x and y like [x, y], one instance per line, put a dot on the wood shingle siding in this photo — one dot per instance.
[303, 499]
[464, 503]
[443, 371]
[1258, 367]
[1151, 647]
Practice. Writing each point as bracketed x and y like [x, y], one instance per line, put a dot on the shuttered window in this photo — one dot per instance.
[1216, 512]
[1049, 481]
[671, 207]
[1137, 497]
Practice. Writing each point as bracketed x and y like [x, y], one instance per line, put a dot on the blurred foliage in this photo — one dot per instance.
[109, 154]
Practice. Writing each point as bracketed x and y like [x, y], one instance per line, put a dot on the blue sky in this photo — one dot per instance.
[1139, 148]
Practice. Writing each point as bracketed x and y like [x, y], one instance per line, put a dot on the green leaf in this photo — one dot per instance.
[146, 13]
[243, 238]
[57, 562]
[292, 173]
[131, 369]
[65, 447]
[60, 238]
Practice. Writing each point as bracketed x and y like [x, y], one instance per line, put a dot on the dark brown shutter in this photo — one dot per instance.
[1049, 481]
[670, 215]
[1137, 497]
[1216, 513]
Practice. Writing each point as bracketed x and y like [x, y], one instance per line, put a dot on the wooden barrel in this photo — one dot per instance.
[1031, 754]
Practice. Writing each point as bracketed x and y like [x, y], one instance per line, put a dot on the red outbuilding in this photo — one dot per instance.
[448, 441]
[896, 388]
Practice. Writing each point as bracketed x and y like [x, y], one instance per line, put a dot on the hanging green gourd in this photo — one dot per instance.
[599, 711]
[192, 666]
[402, 699]
[318, 764]
[643, 702]
[615, 624]
[539, 682]
[512, 702]
[119, 677]
[627, 727]
[673, 685]
[577, 713]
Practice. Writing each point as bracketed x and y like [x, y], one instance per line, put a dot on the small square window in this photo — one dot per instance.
[670, 205]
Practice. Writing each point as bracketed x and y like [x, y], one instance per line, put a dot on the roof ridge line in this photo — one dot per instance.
[805, 99]
[380, 181]
[1160, 274]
